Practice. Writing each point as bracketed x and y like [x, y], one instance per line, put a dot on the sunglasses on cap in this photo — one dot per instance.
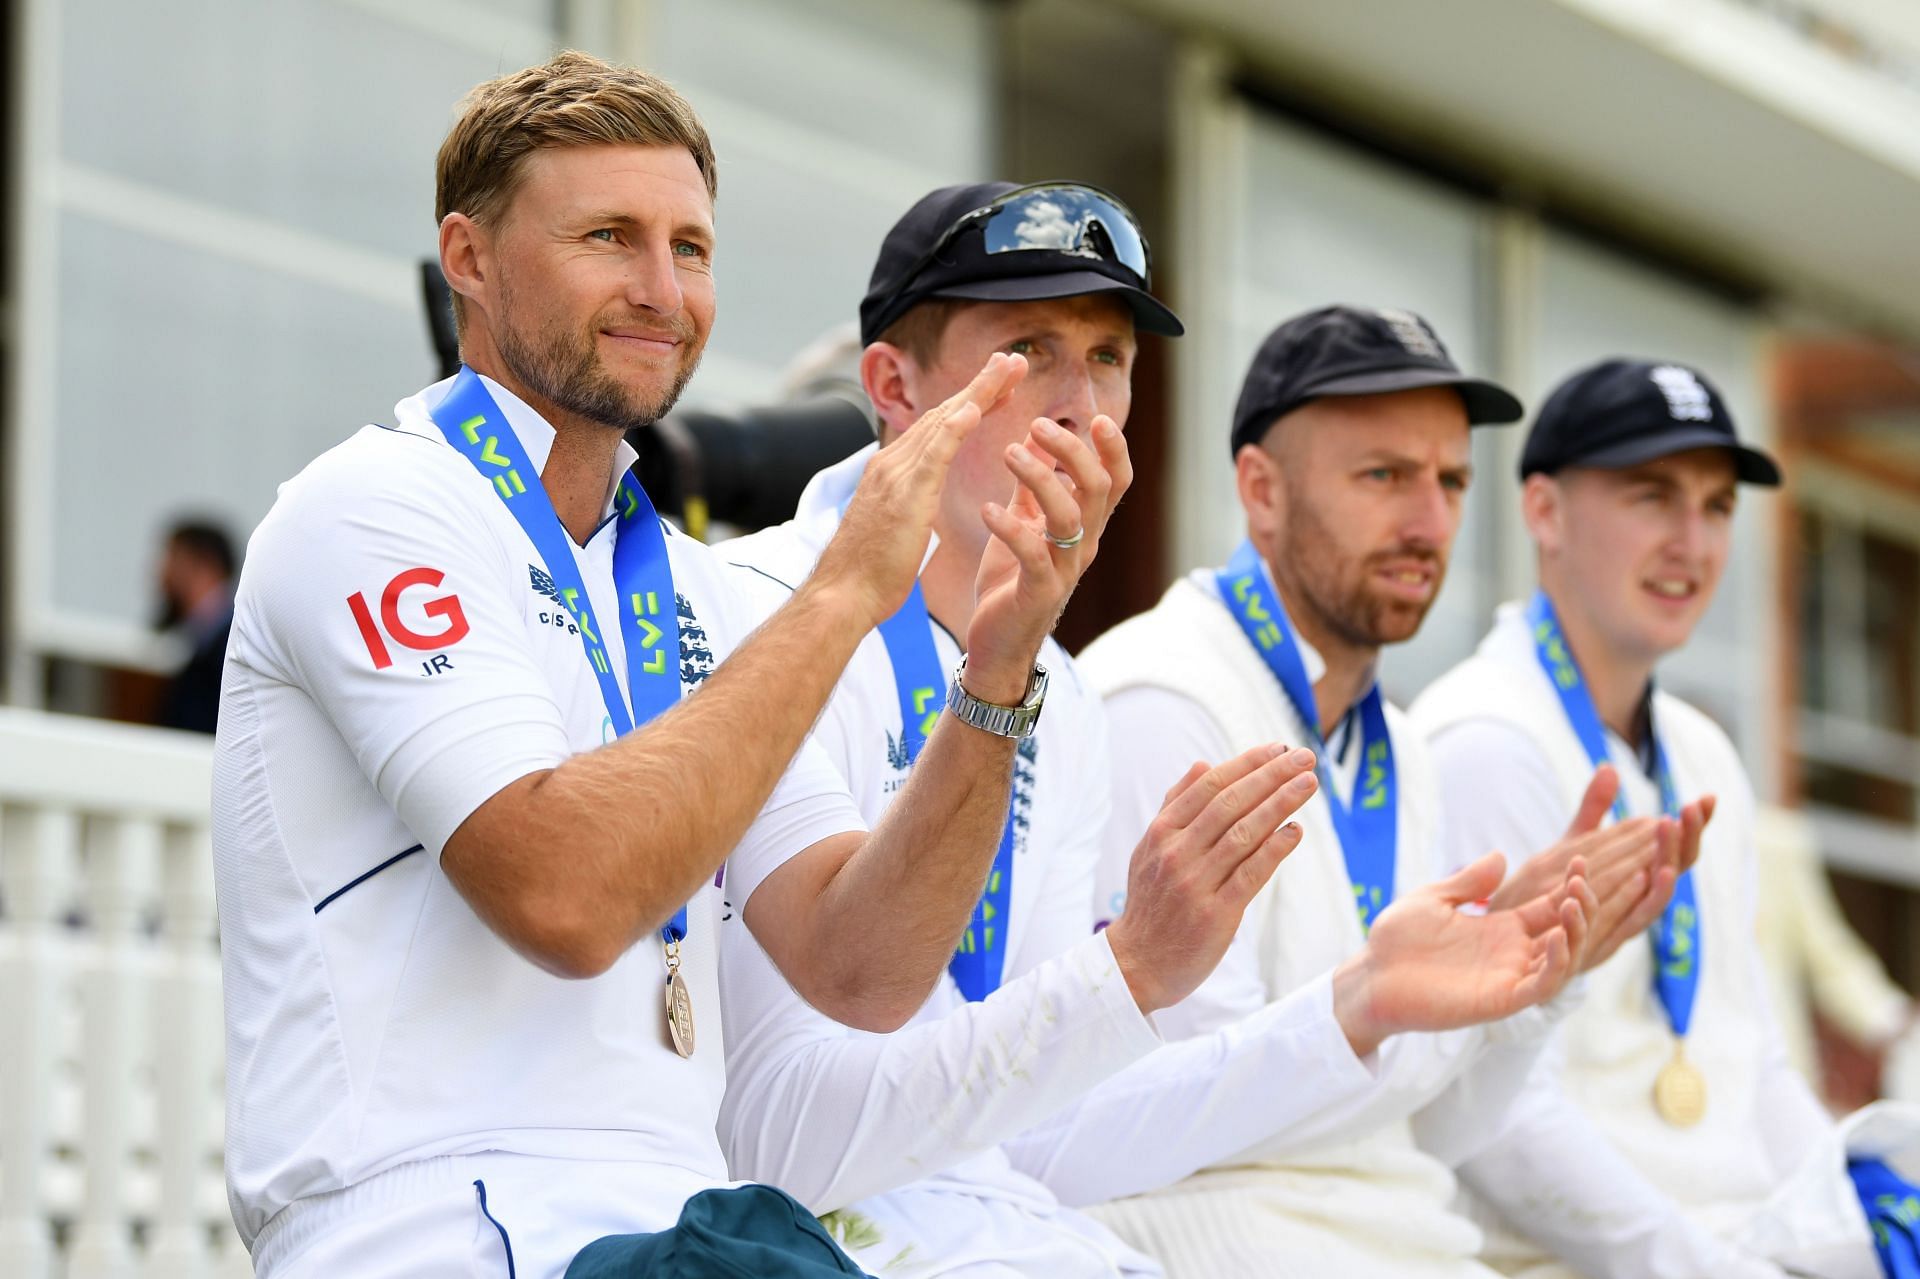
[1053, 217]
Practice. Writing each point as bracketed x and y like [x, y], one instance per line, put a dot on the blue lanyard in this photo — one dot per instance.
[1676, 937]
[1893, 1212]
[979, 963]
[476, 427]
[1368, 830]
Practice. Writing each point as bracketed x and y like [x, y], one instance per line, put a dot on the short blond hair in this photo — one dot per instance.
[572, 100]
[923, 328]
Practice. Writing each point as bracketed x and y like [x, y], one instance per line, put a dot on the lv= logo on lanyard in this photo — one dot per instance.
[980, 962]
[1680, 1092]
[477, 428]
[1368, 828]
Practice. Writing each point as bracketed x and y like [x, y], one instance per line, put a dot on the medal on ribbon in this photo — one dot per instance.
[1680, 1091]
[1367, 826]
[643, 577]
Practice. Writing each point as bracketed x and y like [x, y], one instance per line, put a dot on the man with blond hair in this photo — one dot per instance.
[470, 840]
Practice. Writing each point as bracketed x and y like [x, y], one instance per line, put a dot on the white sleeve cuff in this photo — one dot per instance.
[1134, 1031]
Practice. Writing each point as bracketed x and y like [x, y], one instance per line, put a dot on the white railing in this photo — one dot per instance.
[110, 1113]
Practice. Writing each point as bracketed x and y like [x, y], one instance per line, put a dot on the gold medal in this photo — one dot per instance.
[1680, 1092]
[679, 1005]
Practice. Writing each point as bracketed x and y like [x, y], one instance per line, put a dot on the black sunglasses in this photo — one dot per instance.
[1053, 217]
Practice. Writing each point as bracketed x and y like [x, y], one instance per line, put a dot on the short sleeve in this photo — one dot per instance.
[809, 803]
[376, 589]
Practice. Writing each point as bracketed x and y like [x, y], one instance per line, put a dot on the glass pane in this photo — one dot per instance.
[796, 247]
[318, 114]
[811, 174]
[1811, 550]
[1835, 786]
[1893, 631]
[209, 383]
[907, 82]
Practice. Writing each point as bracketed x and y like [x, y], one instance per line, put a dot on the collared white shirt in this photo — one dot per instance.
[1652, 1202]
[399, 655]
[840, 1117]
[1183, 683]
[1058, 1066]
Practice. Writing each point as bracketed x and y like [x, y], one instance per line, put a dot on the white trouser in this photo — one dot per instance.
[425, 1220]
[1294, 1225]
[930, 1231]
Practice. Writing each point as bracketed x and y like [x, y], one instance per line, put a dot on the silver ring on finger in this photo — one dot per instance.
[1068, 543]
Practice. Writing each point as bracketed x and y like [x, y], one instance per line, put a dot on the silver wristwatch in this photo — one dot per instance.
[1002, 721]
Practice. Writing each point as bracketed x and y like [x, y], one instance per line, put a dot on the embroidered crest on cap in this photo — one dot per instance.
[1687, 399]
[1412, 333]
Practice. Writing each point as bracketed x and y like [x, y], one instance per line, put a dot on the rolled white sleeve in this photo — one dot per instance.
[832, 1116]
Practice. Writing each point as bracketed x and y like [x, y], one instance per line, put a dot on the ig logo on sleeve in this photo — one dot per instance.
[444, 609]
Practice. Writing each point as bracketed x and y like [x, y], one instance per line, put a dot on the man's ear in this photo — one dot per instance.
[1262, 487]
[466, 259]
[1543, 506]
[889, 376]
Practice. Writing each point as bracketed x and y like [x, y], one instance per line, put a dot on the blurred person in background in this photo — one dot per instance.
[1351, 448]
[196, 576]
[1817, 964]
[1631, 476]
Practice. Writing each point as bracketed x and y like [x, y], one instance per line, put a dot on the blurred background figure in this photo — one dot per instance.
[1844, 1020]
[196, 580]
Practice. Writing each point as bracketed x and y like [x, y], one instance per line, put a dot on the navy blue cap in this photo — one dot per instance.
[1351, 350]
[903, 276]
[1620, 413]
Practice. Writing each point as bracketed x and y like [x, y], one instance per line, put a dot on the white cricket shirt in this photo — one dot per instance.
[399, 656]
[902, 1129]
[838, 1117]
[1762, 1171]
[1360, 1187]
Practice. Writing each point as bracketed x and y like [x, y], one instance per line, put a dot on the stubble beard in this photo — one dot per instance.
[1337, 591]
[562, 367]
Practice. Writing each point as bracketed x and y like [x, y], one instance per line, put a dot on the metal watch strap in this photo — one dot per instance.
[989, 717]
